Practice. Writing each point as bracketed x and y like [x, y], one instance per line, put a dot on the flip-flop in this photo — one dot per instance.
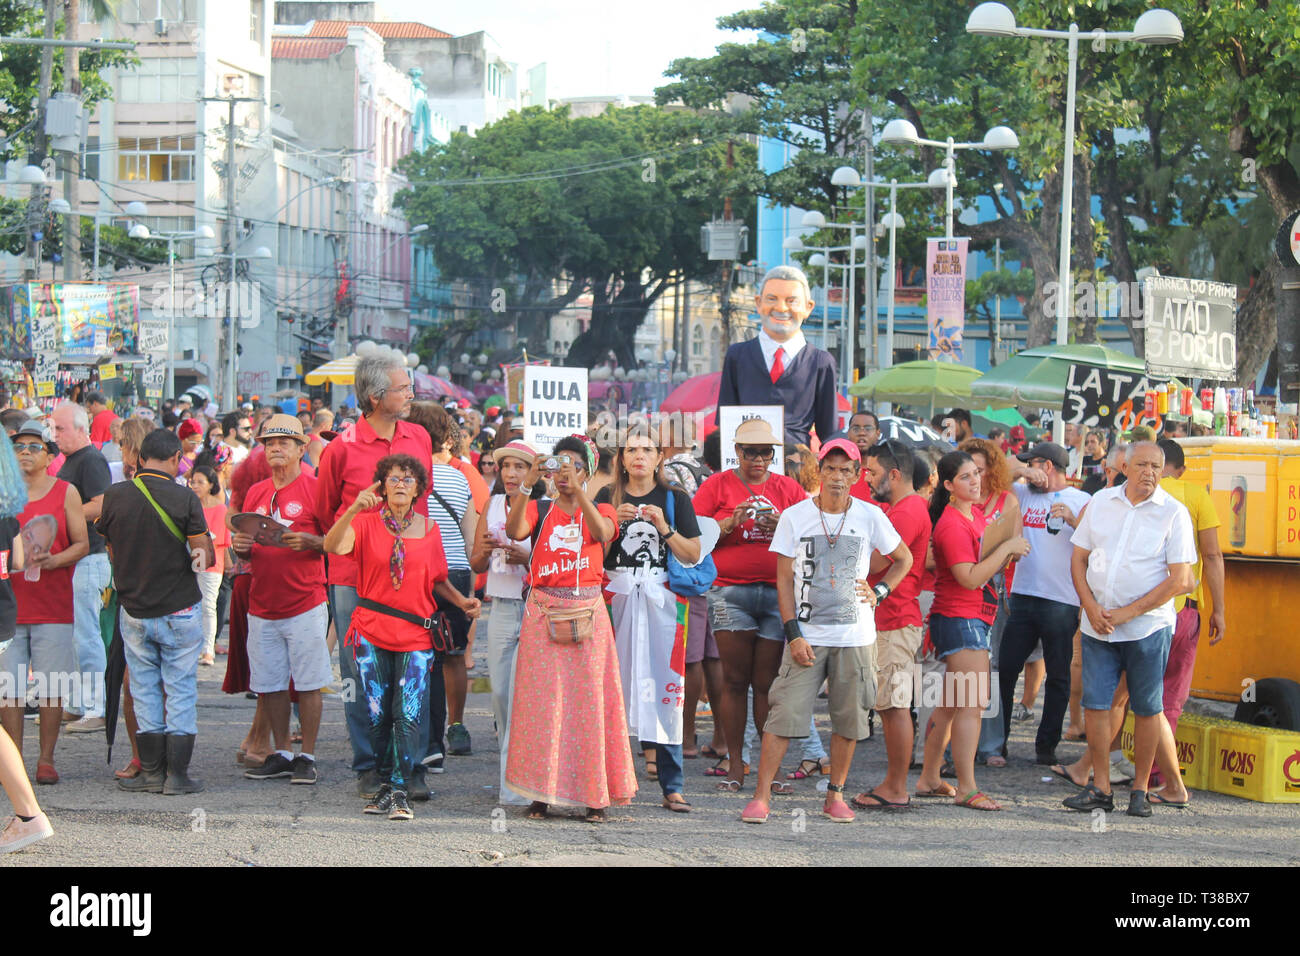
[1059, 770]
[1160, 801]
[708, 751]
[782, 788]
[878, 802]
[677, 806]
[972, 798]
[730, 786]
[943, 791]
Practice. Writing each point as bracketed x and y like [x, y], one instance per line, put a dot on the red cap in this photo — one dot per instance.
[840, 444]
[189, 428]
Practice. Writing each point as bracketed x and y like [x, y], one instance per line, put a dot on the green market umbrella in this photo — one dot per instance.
[1037, 376]
[986, 419]
[938, 384]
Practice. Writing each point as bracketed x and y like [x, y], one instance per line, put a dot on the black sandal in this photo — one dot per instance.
[596, 816]
[537, 810]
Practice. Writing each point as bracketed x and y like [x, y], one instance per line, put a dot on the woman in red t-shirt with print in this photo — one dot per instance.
[746, 501]
[400, 567]
[568, 728]
[963, 610]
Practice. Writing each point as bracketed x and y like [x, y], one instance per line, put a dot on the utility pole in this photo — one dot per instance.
[72, 85]
[343, 300]
[871, 283]
[228, 390]
[727, 263]
[36, 207]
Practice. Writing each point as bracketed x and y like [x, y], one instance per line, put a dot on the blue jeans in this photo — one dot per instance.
[162, 656]
[1053, 622]
[89, 578]
[668, 760]
[343, 601]
[993, 737]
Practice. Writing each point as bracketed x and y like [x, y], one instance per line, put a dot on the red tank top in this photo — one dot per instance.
[44, 527]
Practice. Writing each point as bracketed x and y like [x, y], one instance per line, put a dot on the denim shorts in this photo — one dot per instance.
[746, 607]
[1143, 662]
[952, 634]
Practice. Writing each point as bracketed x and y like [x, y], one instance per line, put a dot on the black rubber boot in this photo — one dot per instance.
[153, 766]
[180, 747]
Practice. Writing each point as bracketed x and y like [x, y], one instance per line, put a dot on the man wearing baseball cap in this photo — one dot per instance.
[824, 547]
[287, 617]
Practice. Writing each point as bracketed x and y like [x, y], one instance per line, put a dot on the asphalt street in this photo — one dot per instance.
[239, 822]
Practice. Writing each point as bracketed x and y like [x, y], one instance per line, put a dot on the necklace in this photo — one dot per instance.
[832, 539]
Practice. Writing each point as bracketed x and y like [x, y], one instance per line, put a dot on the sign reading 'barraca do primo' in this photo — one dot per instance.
[1191, 328]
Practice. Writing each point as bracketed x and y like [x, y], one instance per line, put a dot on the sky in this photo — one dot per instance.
[591, 47]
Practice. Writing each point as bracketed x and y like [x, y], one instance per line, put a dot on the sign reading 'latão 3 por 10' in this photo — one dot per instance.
[1190, 328]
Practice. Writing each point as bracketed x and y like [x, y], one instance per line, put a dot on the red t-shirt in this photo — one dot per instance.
[567, 555]
[347, 465]
[743, 557]
[286, 583]
[425, 565]
[215, 516]
[993, 511]
[957, 541]
[101, 428]
[44, 524]
[911, 519]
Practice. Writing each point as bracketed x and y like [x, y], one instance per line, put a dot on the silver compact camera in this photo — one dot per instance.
[556, 462]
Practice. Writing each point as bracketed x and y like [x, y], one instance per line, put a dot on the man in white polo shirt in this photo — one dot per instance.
[824, 547]
[1133, 553]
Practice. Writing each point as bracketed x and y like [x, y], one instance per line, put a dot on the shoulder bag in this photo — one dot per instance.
[564, 625]
[682, 580]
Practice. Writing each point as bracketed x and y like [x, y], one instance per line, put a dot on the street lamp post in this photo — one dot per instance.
[141, 231]
[1155, 27]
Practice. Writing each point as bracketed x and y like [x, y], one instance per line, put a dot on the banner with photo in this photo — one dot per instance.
[945, 287]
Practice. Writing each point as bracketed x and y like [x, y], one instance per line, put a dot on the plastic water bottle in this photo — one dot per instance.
[1054, 523]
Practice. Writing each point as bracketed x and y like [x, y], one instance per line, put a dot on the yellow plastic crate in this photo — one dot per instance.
[1258, 763]
[1192, 739]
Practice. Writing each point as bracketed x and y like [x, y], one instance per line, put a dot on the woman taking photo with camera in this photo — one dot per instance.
[568, 730]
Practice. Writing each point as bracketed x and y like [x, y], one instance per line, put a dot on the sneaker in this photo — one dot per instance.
[85, 725]
[383, 801]
[368, 784]
[18, 834]
[399, 809]
[274, 766]
[433, 763]
[417, 789]
[304, 770]
[1021, 712]
[837, 811]
[1090, 798]
[458, 741]
[31, 711]
[1122, 770]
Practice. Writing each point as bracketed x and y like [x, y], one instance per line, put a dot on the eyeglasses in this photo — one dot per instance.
[401, 389]
[32, 447]
[393, 481]
[757, 452]
[863, 428]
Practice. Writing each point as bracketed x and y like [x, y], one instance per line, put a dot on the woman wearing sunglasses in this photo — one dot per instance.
[400, 567]
[746, 501]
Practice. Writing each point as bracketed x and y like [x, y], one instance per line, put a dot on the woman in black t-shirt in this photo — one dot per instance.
[649, 619]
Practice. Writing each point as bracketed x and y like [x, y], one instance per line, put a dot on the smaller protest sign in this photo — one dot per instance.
[1108, 398]
[729, 419]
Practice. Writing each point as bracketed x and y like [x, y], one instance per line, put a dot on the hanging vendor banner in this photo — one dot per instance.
[45, 370]
[945, 285]
[80, 320]
[1191, 327]
[1108, 398]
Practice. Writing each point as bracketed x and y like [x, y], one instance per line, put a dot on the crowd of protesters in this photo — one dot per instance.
[614, 585]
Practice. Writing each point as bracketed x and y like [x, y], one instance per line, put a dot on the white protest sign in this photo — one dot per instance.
[555, 404]
[729, 419]
[152, 337]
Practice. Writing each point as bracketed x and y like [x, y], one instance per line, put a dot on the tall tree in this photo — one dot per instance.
[541, 208]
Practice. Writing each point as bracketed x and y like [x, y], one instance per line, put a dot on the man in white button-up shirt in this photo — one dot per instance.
[1133, 552]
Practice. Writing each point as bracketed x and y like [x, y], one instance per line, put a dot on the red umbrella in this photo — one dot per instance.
[697, 393]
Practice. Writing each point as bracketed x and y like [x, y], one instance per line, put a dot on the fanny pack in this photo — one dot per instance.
[570, 625]
[437, 626]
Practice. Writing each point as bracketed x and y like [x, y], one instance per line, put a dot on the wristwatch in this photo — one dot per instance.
[881, 591]
[671, 532]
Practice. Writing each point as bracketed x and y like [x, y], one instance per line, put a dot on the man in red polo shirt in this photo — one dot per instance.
[863, 431]
[898, 618]
[101, 419]
[347, 466]
[287, 619]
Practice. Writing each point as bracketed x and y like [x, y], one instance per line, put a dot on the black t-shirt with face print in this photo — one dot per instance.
[639, 543]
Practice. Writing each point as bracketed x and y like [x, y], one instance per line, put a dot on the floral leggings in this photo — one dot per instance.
[395, 685]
